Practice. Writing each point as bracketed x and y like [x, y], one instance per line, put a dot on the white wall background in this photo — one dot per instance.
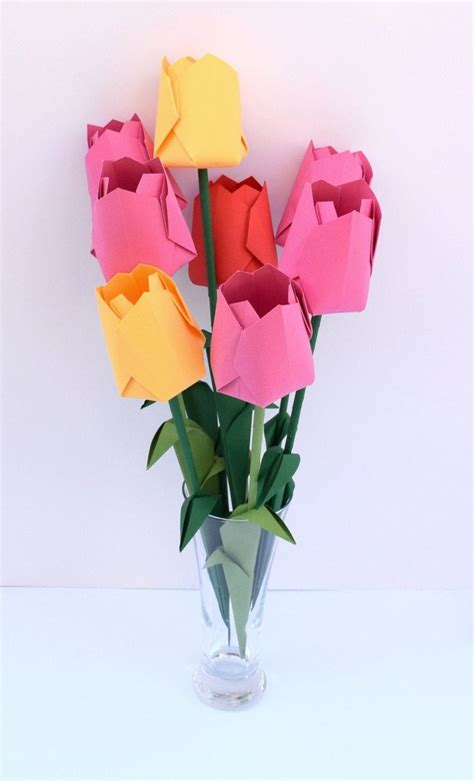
[383, 498]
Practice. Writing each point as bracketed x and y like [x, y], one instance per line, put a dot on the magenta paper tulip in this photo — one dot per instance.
[260, 348]
[323, 163]
[111, 142]
[331, 245]
[137, 219]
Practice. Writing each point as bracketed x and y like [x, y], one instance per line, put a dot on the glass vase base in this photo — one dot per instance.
[226, 681]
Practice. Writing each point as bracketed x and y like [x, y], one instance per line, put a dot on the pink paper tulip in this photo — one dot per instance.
[137, 219]
[331, 245]
[323, 163]
[111, 142]
[260, 348]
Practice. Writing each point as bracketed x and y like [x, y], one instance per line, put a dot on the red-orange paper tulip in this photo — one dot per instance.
[242, 229]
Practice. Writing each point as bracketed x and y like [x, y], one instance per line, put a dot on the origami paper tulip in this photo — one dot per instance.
[155, 347]
[111, 142]
[198, 116]
[260, 348]
[331, 245]
[137, 219]
[323, 164]
[241, 226]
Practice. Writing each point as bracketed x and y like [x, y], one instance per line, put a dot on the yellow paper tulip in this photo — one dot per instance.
[155, 346]
[198, 117]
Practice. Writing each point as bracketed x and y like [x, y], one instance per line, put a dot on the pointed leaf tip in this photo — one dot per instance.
[194, 511]
[147, 403]
[268, 519]
[165, 437]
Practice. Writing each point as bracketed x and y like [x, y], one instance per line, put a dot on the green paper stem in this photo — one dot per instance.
[281, 417]
[208, 240]
[282, 497]
[182, 406]
[223, 481]
[315, 322]
[211, 288]
[255, 450]
[178, 418]
[299, 395]
[294, 420]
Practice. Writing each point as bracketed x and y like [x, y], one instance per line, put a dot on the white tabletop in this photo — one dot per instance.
[361, 685]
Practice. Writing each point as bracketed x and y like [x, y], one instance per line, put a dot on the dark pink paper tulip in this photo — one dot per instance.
[111, 142]
[331, 244]
[322, 163]
[260, 348]
[137, 219]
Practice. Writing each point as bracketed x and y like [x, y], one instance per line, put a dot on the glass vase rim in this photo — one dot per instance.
[229, 520]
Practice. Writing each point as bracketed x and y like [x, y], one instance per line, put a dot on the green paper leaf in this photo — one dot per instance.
[235, 417]
[238, 445]
[240, 543]
[269, 463]
[217, 467]
[147, 403]
[200, 404]
[194, 511]
[276, 469]
[238, 558]
[211, 540]
[267, 519]
[271, 406]
[238, 586]
[202, 449]
[284, 496]
[219, 556]
[271, 430]
[289, 491]
[164, 438]
[239, 511]
[207, 336]
[264, 556]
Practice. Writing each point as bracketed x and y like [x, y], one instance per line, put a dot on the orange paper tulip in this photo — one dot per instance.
[155, 346]
[241, 226]
[198, 116]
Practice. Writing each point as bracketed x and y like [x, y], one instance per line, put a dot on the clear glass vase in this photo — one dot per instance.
[234, 558]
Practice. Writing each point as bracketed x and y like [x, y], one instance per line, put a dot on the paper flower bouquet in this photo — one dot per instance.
[235, 391]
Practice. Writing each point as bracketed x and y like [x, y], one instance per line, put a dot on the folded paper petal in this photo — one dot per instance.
[155, 346]
[260, 348]
[198, 121]
[331, 244]
[137, 219]
[242, 229]
[322, 164]
[279, 334]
